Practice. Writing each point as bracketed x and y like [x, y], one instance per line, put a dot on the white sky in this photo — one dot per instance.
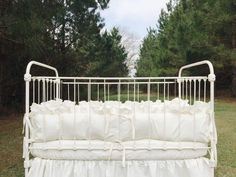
[134, 16]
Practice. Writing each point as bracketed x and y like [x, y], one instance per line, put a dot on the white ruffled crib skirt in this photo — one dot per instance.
[74, 168]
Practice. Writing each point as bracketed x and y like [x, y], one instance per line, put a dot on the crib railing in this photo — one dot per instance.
[44, 88]
[195, 88]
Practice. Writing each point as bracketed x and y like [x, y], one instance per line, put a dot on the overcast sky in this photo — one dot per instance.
[134, 16]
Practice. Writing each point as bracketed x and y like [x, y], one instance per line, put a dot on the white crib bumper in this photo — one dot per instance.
[167, 168]
[131, 150]
[169, 121]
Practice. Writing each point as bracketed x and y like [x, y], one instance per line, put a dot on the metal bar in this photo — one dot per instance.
[210, 66]
[33, 90]
[134, 90]
[55, 89]
[204, 90]
[164, 89]
[108, 92]
[104, 95]
[190, 91]
[38, 91]
[68, 92]
[44, 90]
[138, 92]
[119, 91]
[175, 89]
[117, 78]
[61, 90]
[117, 148]
[115, 83]
[186, 91]
[30, 64]
[199, 89]
[26, 128]
[98, 92]
[47, 88]
[194, 90]
[28, 68]
[89, 91]
[168, 91]
[78, 93]
[128, 90]
[74, 91]
[149, 115]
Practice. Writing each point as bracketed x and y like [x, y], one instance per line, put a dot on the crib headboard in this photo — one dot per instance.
[44, 88]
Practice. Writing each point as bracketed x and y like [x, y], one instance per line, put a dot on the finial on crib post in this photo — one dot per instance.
[27, 77]
[211, 77]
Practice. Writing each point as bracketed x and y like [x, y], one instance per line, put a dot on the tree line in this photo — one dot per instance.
[70, 35]
[189, 31]
[67, 34]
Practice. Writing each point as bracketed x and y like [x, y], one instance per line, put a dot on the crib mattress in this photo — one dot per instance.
[173, 120]
[131, 150]
[73, 168]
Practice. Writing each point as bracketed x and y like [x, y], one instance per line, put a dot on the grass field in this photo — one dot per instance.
[11, 141]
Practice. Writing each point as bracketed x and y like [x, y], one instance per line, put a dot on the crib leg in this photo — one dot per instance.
[26, 172]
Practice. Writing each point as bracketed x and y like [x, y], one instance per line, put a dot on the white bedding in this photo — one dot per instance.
[174, 120]
[100, 150]
[75, 168]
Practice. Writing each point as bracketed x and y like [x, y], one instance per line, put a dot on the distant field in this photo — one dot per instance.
[11, 141]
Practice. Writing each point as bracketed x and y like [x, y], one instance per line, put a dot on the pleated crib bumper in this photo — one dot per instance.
[124, 127]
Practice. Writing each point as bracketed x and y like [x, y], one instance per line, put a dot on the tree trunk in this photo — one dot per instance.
[234, 60]
[234, 79]
[234, 33]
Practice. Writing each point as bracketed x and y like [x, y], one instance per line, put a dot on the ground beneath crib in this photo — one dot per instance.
[11, 141]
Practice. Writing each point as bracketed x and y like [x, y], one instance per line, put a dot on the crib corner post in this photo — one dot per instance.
[27, 78]
[213, 160]
[211, 79]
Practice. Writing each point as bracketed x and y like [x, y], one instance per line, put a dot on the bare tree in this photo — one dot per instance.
[132, 45]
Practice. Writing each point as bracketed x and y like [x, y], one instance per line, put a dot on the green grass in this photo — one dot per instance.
[226, 127]
[11, 141]
[11, 146]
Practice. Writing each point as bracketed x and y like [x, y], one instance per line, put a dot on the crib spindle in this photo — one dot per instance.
[204, 90]
[149, 115]
[74, 90]
[128, 91]
[38, 91]
[199, 89]
[138, 92]
[33, 90]
[98, 98]
[164, 90]
[186, 88]
[190, 91]
[104, 91]
[194, 90]
[134, 91]
[47, 85]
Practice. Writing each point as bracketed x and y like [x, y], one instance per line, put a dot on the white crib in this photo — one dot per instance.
[119, 127]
